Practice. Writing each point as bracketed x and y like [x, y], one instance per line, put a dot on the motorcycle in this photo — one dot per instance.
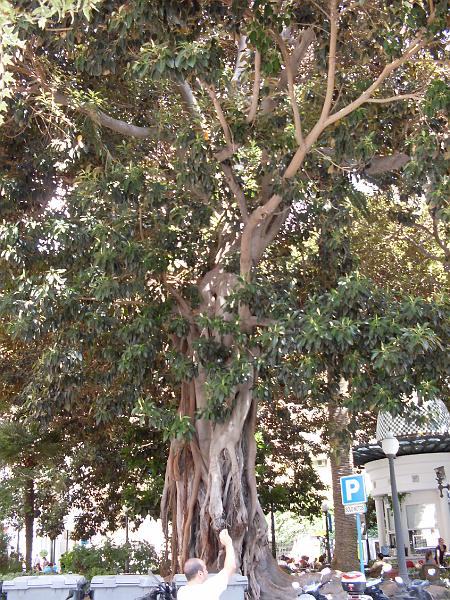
[300, 593]
[354, 583]
[357, 586]
[164, 591]
[373, 589]
[415, 590]
[311, 591]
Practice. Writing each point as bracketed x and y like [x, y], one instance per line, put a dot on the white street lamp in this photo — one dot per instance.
[390, 446]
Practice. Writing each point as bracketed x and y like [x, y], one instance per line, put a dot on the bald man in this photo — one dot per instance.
[198, 586]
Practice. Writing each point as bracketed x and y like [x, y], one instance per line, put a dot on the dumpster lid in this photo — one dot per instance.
[235, 580]
[44, 581]
[113, 581]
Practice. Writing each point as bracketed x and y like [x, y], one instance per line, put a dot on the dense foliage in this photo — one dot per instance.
[110, 559]
[285, 475]
[169, 171]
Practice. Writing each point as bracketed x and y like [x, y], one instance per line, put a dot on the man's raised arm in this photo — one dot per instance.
[230, 560]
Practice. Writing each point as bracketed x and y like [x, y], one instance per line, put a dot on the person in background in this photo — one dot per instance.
[317, 566]
[283, 563]
[198, 586]
[291, 564]
[377, 568]
[48, 569]
[304, 561]
[439, 554]
[37, 563]
[430, 569]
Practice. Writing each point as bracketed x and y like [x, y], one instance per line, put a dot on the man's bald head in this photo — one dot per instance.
[192, 566]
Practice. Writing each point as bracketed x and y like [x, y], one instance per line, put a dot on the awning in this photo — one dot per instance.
[408, 445]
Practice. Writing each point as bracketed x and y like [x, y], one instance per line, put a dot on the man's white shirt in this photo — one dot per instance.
[211, 589]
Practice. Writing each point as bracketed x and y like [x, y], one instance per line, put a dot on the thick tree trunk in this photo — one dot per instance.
[210, 480]
[29, 502]
[272, 531]
[210, 484]
[346, 544]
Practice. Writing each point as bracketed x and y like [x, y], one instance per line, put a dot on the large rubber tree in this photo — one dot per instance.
[183, 141]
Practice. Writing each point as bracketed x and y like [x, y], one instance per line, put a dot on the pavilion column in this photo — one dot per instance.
[381, 523]
[444, 509]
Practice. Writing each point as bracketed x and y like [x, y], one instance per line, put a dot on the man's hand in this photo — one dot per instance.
[230, 561]
[225, 538]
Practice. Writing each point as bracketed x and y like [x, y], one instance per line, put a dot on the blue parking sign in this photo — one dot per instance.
[353, 489]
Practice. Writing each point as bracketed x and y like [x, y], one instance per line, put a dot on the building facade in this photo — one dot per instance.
[424, 447]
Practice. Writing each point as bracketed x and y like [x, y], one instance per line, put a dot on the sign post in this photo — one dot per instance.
[360, 543]
[354, 498]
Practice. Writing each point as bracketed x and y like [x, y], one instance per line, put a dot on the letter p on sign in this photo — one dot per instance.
[353, 490]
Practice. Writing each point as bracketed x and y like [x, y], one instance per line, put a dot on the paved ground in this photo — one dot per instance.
[438, 592]
[390, 588]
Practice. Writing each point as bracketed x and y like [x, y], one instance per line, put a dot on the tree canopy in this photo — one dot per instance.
[167, 167]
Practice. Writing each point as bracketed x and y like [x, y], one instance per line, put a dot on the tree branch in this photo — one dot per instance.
[413, 48]
[327, 156]
[266, 177]
[122, 127]
[104, 120]
[258, 215]
[331, 60]
[238, 68]
[116, 302]
[225, 153]
[434, 234]
[320, 9]
[323, 123]
[350, 6]
[268, 234]
[291, 89]
[187, 95]
[141, 228]
[236, 189]
[304, 41]
[256, 83]
[437, 237]
[183, 306]
[202, 196]
[421, 227]
[384, 164]
[376, 166]
[432, 12]
[219, 112]
[415, 96]
[427, 253]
